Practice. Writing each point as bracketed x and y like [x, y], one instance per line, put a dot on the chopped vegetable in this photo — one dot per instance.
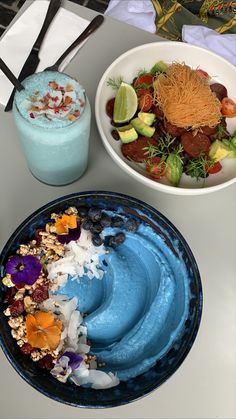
[228, 107]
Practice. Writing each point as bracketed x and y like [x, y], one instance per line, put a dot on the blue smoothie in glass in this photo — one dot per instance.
[53, 117]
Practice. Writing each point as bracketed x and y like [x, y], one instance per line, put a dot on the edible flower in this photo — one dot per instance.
[23, 269]
[65, 222]
[43, 330]
[73, 234]
[65, 365]
[74, 359]
[67, 228]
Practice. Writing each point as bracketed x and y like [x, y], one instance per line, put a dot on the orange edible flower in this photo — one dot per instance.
[43, 330]
[64, 223]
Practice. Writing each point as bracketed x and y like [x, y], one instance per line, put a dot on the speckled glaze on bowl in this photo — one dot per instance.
[145, 56]
[143, 384]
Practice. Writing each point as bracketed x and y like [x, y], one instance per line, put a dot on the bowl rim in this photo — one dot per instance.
[138, 176]
[199, 306]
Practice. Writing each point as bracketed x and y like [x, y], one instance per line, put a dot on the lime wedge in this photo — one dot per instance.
[126, 103]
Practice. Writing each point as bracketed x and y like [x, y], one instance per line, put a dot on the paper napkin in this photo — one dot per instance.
[16, 44]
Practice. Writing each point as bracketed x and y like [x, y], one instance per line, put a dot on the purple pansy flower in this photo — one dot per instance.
[23, 269]
[65, 365]
[74, 234]
[75, 359]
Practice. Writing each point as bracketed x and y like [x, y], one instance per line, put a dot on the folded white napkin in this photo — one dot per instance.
[139, 13]
[221, 44]
[16, 44]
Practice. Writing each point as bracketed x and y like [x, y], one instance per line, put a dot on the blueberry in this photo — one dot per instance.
[116, 240]
[117, 221]
[131, 225]
[96, 240]
[83, 211]
[95, 214]
[105, 220]
[96, 228]
[87, 225]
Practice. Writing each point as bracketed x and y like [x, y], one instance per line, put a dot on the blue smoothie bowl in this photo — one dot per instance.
[142, 316]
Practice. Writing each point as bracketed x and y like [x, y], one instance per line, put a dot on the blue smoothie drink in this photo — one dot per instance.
[53, 117]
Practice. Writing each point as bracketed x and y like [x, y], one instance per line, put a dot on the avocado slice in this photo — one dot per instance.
[218, 151]
[127, 133]
[231, 145]
[147, 117]
[159, 67]
[142, 128]
[174, 168]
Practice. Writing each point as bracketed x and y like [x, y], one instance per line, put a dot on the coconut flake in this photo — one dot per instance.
[81, 257]
[96, 378]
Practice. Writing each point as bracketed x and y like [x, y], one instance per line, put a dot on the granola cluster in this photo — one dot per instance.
[23, 299]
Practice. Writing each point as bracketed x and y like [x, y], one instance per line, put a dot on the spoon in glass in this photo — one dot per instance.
[93, 25]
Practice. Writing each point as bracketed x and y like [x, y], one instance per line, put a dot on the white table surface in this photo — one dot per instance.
[205, 384]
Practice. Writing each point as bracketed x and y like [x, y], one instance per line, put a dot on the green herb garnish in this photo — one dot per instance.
[197, 168]
[164, 147]
[114, 83]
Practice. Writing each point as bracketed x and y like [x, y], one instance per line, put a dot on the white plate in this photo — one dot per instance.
[144, 57]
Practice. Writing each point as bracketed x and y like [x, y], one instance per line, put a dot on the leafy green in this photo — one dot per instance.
[141, 72]
[165, 145]
[197, 168]
[114, 83]
[145, 86]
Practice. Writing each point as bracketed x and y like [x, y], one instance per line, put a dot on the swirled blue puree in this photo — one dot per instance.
[50, 99]
[139, 307]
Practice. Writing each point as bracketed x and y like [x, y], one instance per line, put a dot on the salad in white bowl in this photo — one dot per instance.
[166, 113]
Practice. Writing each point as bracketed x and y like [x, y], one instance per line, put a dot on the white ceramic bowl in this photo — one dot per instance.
[145, 56]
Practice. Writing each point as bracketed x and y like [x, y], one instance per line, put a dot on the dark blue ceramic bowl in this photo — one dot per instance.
[143, 384]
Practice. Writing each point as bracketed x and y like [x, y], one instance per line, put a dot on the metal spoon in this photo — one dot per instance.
[93, 25]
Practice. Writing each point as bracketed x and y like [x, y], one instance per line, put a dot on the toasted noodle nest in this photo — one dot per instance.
[185, 98]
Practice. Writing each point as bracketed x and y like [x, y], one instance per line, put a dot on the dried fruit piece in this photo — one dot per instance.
[26, 349]
[40, 294]
[17, 308]
[46, 362]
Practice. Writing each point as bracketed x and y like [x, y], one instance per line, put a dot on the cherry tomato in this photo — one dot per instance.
[228, 107]
[156, 167]
[145, 102]
[141, 92]
[215, 168]
[204, 73]
[145, 79]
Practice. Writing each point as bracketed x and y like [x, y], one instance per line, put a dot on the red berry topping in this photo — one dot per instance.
[46, 362]
[40, 293]
[37, 235]
[26, 349]
[17, 308]
[9, 296]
